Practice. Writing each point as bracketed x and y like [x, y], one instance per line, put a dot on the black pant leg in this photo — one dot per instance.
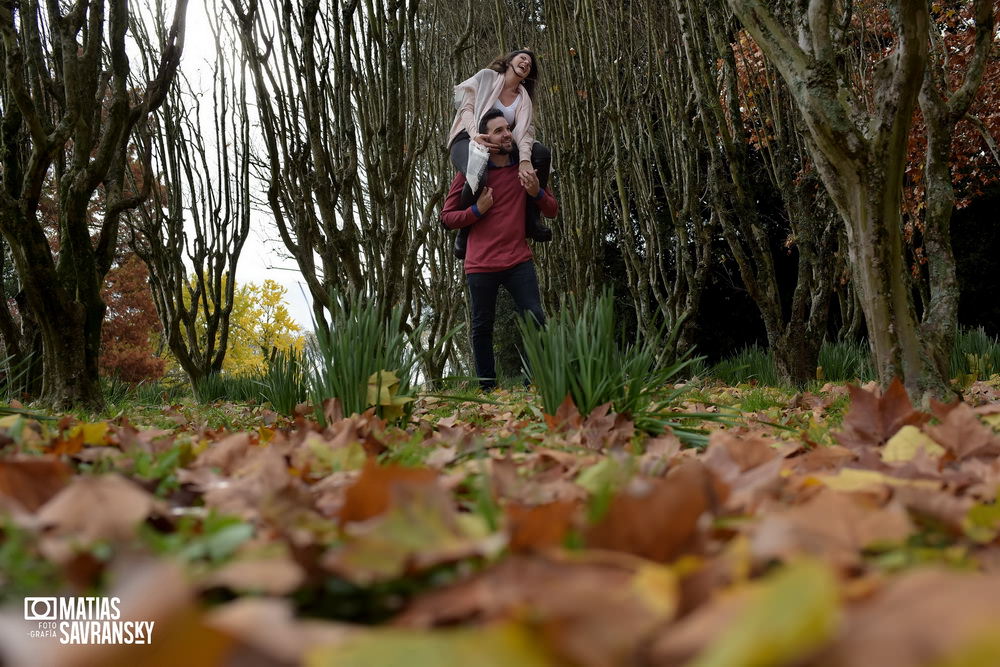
[483, 288]
[521, 282]
[541, 161]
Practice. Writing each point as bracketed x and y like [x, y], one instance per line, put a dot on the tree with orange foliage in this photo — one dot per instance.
[127, 348]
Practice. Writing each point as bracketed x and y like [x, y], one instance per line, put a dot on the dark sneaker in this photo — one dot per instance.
[461, 241]
[533, 227]
[538, 232]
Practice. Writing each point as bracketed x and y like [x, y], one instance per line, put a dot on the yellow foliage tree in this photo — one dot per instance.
[259, 323]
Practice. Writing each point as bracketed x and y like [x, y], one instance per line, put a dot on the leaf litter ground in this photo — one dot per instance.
[839, 527]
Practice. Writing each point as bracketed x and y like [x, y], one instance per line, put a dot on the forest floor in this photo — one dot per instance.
[836, 527]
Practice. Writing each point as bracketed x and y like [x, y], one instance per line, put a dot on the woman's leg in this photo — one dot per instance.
[460, 160]
[541, 160]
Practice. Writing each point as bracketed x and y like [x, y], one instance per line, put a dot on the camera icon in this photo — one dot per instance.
[40, 609]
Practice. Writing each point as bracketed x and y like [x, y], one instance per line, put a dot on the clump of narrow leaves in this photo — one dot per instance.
[577, 354]
[284, 384]
[227, 387]
[363, 341]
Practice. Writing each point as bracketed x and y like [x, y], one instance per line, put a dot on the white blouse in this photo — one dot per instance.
[509, 111]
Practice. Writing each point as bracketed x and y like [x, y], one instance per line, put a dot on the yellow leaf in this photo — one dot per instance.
[9, 420]
[657, 587]
[993, 419]
[606, 474]
[788, 616]
[334, 459]
[382, 388]
[983, 649]
[907, 442]
[498, 645]
[93, 434]
[853, 479]
[199, 447]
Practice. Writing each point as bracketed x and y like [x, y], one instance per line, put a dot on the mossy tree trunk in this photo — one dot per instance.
[860, 154]
[70, 100]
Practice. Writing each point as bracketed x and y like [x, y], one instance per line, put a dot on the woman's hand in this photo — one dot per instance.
[484, 141]
[529, 180]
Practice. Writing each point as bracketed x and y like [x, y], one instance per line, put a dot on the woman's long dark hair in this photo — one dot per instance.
[501, 64]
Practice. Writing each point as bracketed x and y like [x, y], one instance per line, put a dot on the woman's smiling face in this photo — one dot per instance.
[521, 64]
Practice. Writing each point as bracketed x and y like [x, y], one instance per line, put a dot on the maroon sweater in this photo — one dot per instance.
[496, 240]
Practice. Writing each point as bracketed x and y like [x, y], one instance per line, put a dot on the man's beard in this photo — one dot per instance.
[505, 149]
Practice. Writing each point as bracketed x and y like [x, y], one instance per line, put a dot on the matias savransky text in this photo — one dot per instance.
[85, 620]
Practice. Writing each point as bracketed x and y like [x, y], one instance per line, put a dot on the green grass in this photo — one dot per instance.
[975, 353]
[753, 363]
[23, 570]
[362, 341]
[846, 361]
[229, 388]
[285, 384]
[759, 399]
[577, 354]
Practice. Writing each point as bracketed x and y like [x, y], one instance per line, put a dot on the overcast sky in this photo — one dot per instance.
[263, 253]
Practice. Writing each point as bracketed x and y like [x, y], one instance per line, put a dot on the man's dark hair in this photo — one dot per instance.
[487, 117]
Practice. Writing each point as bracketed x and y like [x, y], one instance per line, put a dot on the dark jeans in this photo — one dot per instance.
[521, 282]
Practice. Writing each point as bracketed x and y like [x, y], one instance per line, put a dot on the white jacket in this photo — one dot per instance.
[477, 95]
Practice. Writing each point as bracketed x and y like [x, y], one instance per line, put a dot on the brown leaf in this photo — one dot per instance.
[831, 525]
[33, 482]
[420, 529]
[276, 575]
[591, 611]
[225, 454]
[748, 465]
[941, 507]
[684, 639]
[263, 473]
[539, 527]
[108, 507]
[963, 435]
[269, 625]
[66, 446]
[658, 518]
[566, 416]
[746, 451]
[920, 619]
[371, 494]
[940, 410]
[873, 419]
[822, 458]
[333, 411]
[603, 429]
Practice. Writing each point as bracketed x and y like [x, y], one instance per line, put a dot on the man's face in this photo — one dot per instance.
[499, 133]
